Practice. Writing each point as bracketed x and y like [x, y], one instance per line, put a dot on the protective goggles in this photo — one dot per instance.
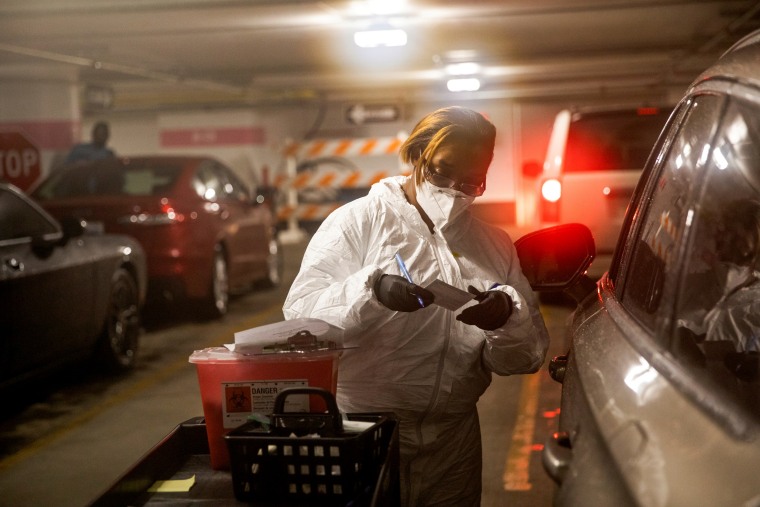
[442, 181]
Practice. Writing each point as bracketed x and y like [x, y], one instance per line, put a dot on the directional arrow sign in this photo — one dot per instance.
[359, 114]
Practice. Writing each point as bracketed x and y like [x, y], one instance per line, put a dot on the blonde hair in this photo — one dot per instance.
[446, 124]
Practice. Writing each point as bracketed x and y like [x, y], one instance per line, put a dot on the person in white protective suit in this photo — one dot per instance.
[735, 318]
[427, 364]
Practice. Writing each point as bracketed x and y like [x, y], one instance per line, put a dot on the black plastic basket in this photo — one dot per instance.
[309, 458]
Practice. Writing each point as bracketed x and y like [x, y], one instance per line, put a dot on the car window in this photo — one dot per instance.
[612, 140]
[20, 220]
[718, 309]
[655, 244]
[152, 180]
[137, 177]
[83, 180]
[233, 187]
[209, 183]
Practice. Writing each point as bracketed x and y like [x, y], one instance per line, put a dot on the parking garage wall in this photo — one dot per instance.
[45, 112]
[252, 140]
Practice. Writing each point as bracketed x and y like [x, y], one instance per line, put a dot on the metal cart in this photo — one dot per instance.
[184, 453]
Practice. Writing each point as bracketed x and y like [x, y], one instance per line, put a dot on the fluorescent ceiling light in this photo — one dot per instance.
[469, 84]
[380, 36]
[463, 69]
[385, 7]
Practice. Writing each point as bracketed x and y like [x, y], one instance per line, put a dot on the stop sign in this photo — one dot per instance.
[19, 160]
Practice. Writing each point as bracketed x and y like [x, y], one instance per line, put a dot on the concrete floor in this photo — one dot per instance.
[68, 447]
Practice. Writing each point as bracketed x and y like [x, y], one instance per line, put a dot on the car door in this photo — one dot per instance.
[644, 419]
[645, 428]
[248, 230]
[45, 289]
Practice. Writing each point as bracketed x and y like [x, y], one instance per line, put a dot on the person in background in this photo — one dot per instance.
[735, 318]
[95, 149]
[406, 354]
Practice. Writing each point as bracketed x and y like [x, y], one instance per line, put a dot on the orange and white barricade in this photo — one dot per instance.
[323, 174]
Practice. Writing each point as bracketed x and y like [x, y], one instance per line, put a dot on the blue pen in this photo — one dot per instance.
[406, 274]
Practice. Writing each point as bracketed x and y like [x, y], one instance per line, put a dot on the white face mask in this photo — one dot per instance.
[442, 205]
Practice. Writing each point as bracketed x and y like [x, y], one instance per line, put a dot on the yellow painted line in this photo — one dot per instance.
[156, 378]
[517, 468]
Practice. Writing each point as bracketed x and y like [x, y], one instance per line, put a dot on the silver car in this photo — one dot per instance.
[661, 384]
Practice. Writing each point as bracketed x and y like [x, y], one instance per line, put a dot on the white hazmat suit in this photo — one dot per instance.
[425, 366]
[735, 318]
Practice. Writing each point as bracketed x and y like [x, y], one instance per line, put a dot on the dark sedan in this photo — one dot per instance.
[204, 232]
[65, 293]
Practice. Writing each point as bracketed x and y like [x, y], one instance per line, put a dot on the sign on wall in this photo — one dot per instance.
[212, 136]
[359, 114]
[19, 160]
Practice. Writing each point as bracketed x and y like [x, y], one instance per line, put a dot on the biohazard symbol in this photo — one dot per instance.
[238, 399]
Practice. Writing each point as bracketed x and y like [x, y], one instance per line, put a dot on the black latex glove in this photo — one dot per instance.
[394, 292]
[492, 311]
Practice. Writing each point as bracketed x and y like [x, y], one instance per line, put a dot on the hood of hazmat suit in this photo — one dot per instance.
[425, 366]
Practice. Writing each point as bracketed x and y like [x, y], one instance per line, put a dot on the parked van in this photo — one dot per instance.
[592, 165]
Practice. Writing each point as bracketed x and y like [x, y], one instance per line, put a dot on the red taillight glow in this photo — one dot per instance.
[551, 190]
[647, 111]
[166, 215]
[172, 215]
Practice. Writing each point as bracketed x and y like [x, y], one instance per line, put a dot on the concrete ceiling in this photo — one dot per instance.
[140, 54]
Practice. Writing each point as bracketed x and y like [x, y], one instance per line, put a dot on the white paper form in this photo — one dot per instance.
[256, 338]
[448, 296]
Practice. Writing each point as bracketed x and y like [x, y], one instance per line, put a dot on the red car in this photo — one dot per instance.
[205, 234]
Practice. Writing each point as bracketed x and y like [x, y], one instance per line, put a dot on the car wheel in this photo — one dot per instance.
[119, 341]
[274, 263]
[218, 299]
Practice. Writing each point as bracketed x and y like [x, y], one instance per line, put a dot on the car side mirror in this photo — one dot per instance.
[557, 258]
[72, 227]
[44, 244]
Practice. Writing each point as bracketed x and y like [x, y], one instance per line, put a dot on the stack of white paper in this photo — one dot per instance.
[255, 339]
